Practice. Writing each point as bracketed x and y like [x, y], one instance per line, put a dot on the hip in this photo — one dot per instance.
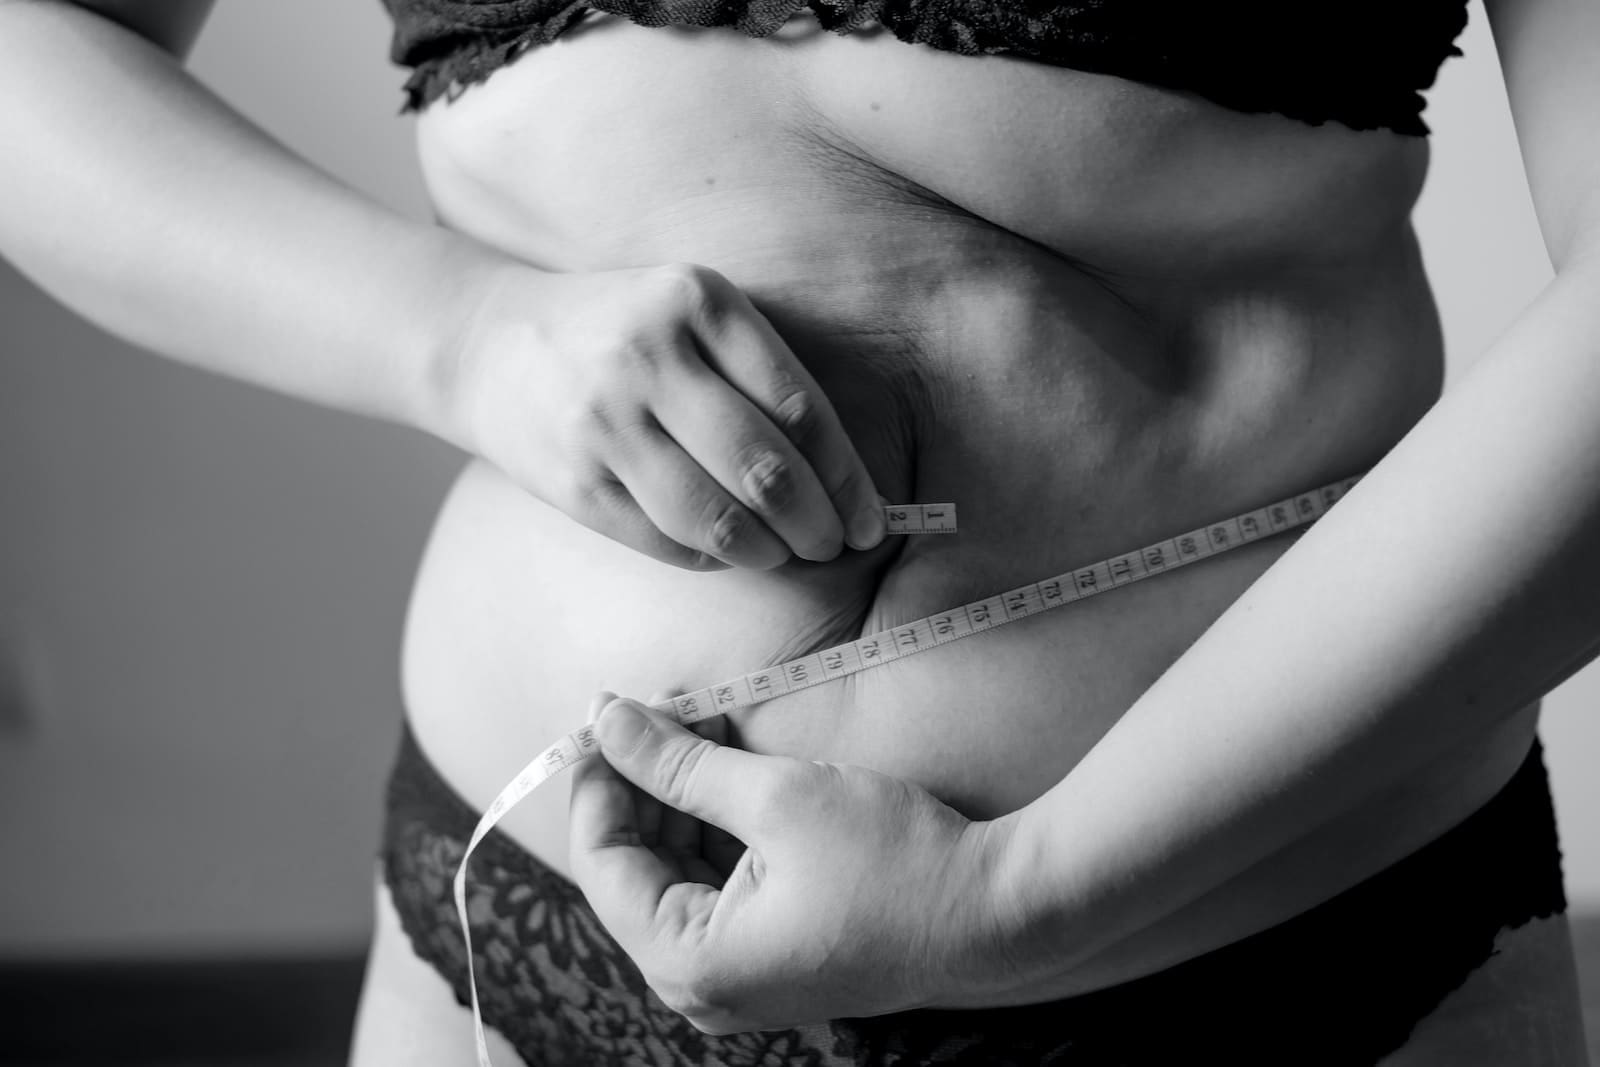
[1457, 950]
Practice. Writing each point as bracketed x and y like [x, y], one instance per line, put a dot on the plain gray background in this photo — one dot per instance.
[202, 586]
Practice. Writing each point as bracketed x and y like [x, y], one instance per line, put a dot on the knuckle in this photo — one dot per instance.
[678, 770]
[727, 530]
[691, 288]
[641, 351]
[587, 493]
[769, 481]
[798, 414]
[658, 545]
[597, 431]
[592, 417]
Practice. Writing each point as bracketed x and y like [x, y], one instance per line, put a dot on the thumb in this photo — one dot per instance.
[683, 770]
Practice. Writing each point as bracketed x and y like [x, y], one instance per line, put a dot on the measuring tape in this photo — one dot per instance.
[886, 646]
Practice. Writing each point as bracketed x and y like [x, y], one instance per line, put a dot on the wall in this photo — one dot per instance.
[1483, 249]
[202, 586]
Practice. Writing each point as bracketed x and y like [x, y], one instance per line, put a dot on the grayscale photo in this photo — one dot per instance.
[799, 533]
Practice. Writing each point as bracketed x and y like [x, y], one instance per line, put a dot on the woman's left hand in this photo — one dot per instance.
[856, 894]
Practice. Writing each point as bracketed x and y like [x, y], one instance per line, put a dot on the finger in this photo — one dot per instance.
[722, 786]
[612, 511]
[625, 882]
[653, 815]
[741, 345]
[719, 849]
[688, 505]
[597, 704]
[740, 447]
[682, 833]
[646, 810]
[600, 781]
[602, 803]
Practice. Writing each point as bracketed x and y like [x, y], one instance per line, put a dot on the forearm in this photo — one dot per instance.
[134, 196]
[1454, 585]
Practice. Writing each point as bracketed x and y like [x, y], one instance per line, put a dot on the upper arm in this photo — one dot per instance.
[1550, 52]
[169, 24]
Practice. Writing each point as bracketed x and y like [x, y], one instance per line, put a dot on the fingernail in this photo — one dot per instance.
[622, 727]
[866, 528]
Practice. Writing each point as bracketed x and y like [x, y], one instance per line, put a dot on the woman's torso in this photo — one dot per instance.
[1090, 312]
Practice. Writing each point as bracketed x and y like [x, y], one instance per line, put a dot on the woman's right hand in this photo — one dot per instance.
[657, 406]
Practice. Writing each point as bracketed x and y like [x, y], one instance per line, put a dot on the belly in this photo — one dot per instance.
[1091, 313]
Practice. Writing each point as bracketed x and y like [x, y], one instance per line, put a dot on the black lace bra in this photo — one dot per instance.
[1358, 62]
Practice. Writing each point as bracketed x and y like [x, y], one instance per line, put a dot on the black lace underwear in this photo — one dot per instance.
[1341, 984]
[1359, 62]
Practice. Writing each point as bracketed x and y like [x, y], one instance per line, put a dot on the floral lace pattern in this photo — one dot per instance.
[1362, 63]
[1357, 972]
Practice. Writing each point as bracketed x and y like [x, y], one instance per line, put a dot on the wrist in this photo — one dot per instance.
[1036, 929]
[1012, 943]
[463, 280]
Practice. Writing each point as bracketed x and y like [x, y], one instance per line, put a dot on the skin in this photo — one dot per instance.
[441, 335]
[589, 435]
[1215, 767]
